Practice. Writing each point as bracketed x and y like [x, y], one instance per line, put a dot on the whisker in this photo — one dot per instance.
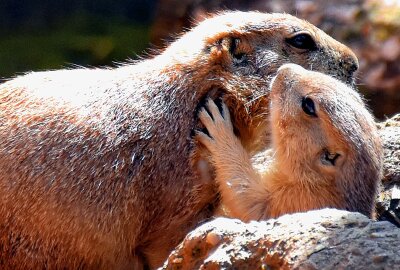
[256, 98]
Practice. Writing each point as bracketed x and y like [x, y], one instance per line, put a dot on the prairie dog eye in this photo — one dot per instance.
[302, 41]
[308, 106]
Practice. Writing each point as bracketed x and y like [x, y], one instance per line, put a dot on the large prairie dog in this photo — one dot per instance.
[326, 151]
[98, 167]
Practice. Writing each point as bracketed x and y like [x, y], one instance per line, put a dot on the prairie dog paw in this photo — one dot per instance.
[218, 125]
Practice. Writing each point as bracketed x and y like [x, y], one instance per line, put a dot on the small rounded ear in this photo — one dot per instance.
[237, 54]
[220, 50]
[227, 50]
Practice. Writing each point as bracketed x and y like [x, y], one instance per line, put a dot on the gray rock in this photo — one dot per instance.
[388, 202]
[320, 239]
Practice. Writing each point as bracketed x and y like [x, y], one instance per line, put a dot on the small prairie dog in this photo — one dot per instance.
[326, 150]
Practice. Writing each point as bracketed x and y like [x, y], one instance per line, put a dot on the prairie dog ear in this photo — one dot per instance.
[229, 50]
[219, 51]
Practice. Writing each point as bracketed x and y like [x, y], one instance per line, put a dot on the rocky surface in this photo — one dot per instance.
[390, 134]
[321, 239]
[388, 203]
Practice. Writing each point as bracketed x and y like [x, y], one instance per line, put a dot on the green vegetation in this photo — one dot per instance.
[81, 39]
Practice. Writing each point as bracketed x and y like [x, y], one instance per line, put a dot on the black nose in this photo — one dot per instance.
[349, 65]
[353, 66]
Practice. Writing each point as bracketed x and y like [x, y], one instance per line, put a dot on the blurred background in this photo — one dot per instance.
[48, 34]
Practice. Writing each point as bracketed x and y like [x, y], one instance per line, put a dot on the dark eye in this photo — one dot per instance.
[302, 41]
[307, 104]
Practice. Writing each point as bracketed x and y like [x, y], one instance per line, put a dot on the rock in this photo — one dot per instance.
[320, 239]
[390, 134]
[388, 202]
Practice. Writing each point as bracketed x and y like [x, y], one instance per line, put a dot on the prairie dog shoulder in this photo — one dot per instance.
[326, 151]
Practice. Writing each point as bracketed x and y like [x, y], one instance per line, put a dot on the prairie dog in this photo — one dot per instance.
[326, 151]
[98, 166]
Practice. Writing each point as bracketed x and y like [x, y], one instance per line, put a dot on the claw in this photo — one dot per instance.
[225, 113]
[213, 108]
[204, 139]
[216, 123]
[206, 119]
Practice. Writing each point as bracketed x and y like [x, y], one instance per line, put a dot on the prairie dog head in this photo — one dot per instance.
[324, 135]
[257, 44]
[236, 53]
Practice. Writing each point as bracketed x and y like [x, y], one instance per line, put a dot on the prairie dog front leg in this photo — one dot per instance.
[240, 185]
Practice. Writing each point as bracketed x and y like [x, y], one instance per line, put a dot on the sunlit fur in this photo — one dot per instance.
[296, 179]
[98, 167]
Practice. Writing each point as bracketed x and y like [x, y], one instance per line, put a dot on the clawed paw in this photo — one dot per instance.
[218, 125]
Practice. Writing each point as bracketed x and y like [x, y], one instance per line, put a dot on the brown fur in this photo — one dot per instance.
[299, 178]
[98, 168]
